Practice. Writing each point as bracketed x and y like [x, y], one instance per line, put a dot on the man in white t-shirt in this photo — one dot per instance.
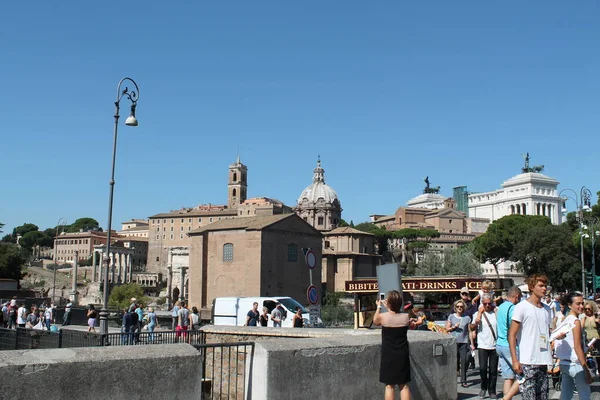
[530, 332]
[22, 316]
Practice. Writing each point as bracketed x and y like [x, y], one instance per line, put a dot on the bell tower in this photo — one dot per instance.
[238, 184]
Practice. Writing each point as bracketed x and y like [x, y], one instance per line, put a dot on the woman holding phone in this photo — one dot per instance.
[395, 363]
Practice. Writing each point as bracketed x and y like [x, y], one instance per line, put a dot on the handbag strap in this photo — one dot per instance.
[490, 325]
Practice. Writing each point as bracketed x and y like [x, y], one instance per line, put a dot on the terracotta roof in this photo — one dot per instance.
[194, 213]
[385, 218]
[346, 230]
[247, 223]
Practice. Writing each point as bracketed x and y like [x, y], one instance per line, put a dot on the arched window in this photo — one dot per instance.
[228, 252]
[234, 176]
[292, 252]
[234, 192]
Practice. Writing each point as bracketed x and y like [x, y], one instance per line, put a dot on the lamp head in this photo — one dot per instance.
[563, 210]
[132, 120]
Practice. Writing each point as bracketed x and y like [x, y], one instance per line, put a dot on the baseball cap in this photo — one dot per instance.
[465, 290]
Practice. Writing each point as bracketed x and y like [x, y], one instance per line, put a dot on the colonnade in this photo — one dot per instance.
[120, 266]
[544, 209]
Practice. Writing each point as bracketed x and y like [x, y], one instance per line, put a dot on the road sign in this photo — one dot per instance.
[312, 294]
[311, 259]
[315, 313]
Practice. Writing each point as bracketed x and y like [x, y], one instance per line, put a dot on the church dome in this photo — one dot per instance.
[318, 189]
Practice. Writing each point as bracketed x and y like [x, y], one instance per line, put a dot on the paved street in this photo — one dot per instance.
[474, 387]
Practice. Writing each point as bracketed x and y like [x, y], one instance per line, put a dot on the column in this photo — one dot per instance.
[130, 263]
[94, 259]
[73, 296]
[550, 213]
[112, 266]
[181, 278]
[100, 267]
[170, 280]
[119, 268]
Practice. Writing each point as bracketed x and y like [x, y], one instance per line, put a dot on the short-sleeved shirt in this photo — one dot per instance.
[276, 316]
[534, 334]
[33, 319]
[462, 332]
[504, 317]
[184, 315]
[140, 313]
[253, 317]
[485, 339]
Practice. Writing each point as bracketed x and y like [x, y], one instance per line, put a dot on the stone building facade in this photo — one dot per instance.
[82, 243]
[252, 256]
[347, 254]
[529, 193]
[134, 228]
[318, 203]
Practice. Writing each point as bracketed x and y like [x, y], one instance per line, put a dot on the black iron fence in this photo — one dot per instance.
[225, 369]
[225, 366]
[23, 338]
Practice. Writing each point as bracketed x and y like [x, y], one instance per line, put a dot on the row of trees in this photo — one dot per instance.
[11, 260]
[533, 242]
[30, 234]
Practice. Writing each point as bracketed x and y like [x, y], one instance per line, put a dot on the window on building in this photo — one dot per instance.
[327, 244]
[181, 236]
[171, 229]
[228, 252]
[182, 220]
[292, 252]
[320, 221]
[210, 219]
[450, 221]
[171, 220]
[157, 237]
[190, 220]
[164, 236]
[182, 229]
[189, 228]
[200, 219]
[171, 236]
[164, 221]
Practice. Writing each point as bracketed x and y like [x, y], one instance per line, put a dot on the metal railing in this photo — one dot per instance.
[225, 369]
[23, 338]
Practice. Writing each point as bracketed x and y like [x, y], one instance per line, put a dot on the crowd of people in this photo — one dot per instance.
[254, 318]
[522, 336]
[15, 314]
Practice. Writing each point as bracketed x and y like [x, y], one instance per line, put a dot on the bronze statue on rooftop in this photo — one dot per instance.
[527, 168]
[428, 188]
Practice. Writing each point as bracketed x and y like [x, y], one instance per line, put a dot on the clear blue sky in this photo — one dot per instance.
[386, 92]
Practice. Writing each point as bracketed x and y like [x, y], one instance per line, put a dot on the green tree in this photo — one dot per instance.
[121, 295]
[382, 235]
[23, 229]
[459, 261]
[343, 223]
[8, 239]
[83, 224]
[549, 249]
[31, 239]
[11, 261]
[498, 242]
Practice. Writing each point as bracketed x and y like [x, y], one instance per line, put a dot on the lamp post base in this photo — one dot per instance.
[103, 321]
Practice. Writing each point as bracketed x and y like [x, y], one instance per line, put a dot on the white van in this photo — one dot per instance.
[233, 310]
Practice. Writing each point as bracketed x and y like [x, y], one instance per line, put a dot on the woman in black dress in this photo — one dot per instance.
[395, 362]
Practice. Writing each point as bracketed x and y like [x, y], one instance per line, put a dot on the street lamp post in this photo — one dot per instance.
[583, 202]
[590, 231]
[133, 96]
[56, 257]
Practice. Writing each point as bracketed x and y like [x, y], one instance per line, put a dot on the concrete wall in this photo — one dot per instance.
[337, 363]
[115, 373]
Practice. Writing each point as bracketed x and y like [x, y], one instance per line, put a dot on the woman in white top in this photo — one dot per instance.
[569, 349]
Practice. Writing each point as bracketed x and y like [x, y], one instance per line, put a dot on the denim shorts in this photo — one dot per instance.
[505, 362]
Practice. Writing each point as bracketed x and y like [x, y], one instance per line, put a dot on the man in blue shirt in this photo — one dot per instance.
[504, 317]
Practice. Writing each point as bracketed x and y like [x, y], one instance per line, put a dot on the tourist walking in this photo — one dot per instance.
[264, 317]
[22, 316]
[590, 322]
[48, 316]
[92, 315]
[530, 333]
[503, 318]
[12, 313]
[486, 326]
[252, 316]
[183, 321]
[195, 319]
[569, 350]
[395, 362]
[152, 324]
[140, 321]
[297, 320]
[458, 326]
[175, 315]
[277, 315]
[67, 315]
[127, 327]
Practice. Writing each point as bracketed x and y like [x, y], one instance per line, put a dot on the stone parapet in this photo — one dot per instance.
[115, 373]
[338, 363]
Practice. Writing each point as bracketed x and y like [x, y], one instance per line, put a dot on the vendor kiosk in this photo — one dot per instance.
[446, 290]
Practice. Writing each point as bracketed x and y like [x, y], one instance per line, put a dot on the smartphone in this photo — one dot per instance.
[381, 296]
